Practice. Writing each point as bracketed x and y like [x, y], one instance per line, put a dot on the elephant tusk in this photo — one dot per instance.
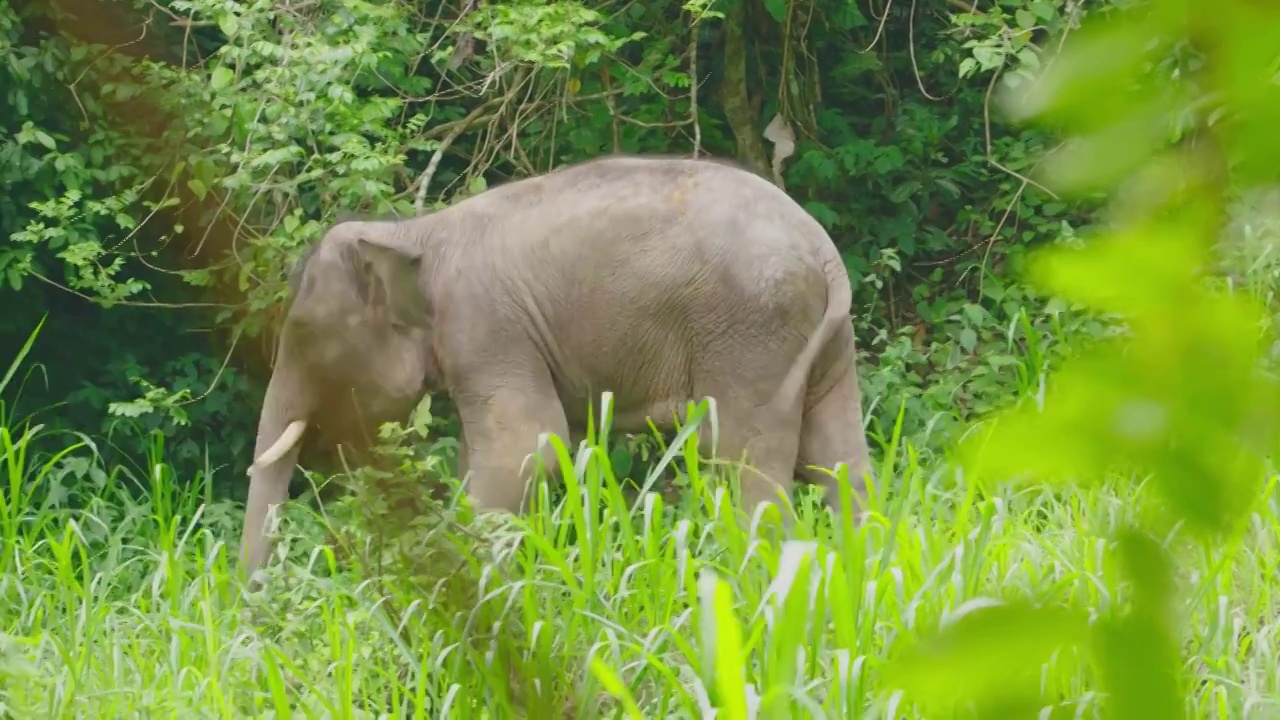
[282, 445]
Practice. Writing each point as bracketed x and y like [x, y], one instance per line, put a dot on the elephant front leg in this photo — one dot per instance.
[464, 458]
[501, 425]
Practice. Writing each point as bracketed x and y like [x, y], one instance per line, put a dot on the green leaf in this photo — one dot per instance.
[221, 77]
[777, 9]
[1043, 9]
[229, 24]
[621, 461]
[131, 408]
[198, 188]
[1025, 19]
[615, 687]
[991, 656]
[725, 659]
[22, 353]
[974, 313]
[988, 57]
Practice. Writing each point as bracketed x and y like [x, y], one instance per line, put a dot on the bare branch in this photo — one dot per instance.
[693, 91]
[880, 29]
[911, 50]
[456, 128]
[424, 180]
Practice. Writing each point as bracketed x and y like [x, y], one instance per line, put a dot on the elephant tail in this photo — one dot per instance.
[791, 393]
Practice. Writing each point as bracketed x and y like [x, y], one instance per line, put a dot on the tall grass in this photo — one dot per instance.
[117, 599]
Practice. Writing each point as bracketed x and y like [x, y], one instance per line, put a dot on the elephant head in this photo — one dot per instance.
[354, 352]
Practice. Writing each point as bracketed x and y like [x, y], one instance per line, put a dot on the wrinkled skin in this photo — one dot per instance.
[662, 280]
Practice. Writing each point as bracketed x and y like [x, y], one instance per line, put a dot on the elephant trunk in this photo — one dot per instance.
[280, 428]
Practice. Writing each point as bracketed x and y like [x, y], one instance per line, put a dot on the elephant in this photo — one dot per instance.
[659, 279]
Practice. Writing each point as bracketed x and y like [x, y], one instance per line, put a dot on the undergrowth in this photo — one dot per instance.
[118, 598]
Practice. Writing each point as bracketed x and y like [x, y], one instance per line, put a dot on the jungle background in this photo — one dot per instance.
[163, 163]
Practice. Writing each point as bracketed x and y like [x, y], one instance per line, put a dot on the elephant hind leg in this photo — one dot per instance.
[760, 445]
[832, 433]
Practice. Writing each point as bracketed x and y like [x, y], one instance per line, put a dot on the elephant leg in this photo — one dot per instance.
[832, 433]
[464, 457]
[765, 444]
[502, 417]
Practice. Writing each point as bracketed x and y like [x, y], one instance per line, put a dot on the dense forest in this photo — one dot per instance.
[1057, 213]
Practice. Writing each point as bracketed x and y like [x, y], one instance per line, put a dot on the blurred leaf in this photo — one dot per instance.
[1098, 161]
[1245, 75]
[1095, 82]
[1182, 397]
[992, 656]
[1137, 654]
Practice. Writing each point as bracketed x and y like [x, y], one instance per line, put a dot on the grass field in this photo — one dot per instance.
[117, 600]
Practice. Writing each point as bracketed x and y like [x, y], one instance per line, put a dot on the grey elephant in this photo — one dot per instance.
[662, 280]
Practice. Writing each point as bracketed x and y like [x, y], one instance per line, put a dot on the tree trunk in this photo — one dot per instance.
[735, 94]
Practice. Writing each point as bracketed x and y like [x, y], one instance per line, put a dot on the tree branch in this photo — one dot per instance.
[454, 131]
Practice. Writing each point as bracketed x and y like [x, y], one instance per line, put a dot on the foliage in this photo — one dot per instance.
[1184, 397]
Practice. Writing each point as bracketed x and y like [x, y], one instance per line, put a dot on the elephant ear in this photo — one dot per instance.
[390, 279]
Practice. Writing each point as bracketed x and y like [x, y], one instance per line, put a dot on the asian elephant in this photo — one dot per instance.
[660, 279]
